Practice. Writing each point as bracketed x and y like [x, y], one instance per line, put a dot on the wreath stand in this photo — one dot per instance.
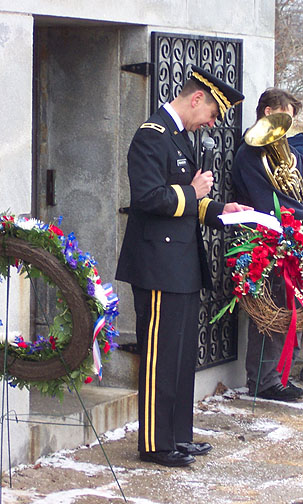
[269, 318]
[259, 372]
[67, 359]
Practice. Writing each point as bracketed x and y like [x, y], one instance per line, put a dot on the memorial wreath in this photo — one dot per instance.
[258, 254]
[82, 332]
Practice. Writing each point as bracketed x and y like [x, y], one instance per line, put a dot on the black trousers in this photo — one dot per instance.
[167, 336]
[269, 376]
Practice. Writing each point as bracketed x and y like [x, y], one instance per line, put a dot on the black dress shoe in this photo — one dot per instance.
[167, 458]
[280, 393]
[297, 390]
[194, 448]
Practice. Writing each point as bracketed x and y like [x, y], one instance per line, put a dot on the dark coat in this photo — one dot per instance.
[252, 185]
[161, 251]
[297, 142]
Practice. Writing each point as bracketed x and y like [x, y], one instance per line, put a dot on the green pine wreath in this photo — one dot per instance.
[39, 250]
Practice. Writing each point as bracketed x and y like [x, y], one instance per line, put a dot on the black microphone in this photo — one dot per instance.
[208, 155]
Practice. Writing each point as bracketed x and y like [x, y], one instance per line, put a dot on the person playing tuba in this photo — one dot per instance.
[265, 163]
[279, 162]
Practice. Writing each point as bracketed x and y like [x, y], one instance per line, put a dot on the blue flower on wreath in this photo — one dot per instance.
[243, 261]
[41, 225]
[289, 231]
[90, 260]
[111, 333]
[252, 286]
[40, 344]
[298, 254]
[81, 257]
[90, 287]
[71, 236]
[69, 255]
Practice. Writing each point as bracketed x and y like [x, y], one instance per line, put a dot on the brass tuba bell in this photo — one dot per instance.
[279, 162]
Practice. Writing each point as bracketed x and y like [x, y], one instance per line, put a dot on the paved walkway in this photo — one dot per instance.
[257, 458]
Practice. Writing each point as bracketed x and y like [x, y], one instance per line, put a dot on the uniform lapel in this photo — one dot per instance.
[177, 136]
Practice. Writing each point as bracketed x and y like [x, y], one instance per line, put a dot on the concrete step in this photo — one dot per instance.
[58, 426]
[121, 369]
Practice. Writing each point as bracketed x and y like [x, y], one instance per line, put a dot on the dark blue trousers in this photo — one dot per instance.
[167, 336]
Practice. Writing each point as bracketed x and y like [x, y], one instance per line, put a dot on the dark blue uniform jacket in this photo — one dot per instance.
[253, 187]
[163, 247]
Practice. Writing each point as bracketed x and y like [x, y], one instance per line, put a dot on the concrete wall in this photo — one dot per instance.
[16, 32]
[134, 108]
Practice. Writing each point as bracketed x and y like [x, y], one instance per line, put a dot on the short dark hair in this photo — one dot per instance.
[277, 98]
[192, 86]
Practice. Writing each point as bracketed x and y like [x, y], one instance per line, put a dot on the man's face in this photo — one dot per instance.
[204, 113]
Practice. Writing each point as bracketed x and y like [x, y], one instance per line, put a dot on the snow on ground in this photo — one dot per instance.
[270, 429]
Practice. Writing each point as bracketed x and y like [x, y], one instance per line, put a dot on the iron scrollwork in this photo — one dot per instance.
[173, 56]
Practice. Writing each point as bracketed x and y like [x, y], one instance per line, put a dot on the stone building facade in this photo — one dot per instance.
[70, 104]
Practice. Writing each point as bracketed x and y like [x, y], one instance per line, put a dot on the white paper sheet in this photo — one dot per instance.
[252, 216]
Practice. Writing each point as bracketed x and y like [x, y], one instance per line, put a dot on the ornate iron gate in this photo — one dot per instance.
[172, 56]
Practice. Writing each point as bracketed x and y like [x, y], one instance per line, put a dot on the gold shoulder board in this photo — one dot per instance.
[154, 126]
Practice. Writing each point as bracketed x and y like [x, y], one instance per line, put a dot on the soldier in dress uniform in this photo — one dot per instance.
[163, 259]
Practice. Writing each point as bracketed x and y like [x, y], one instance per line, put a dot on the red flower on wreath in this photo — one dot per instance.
[22, 344]
[237, 278]
[269, 234]
[298, 237]
[259, 253]
[255, 272]
[52, 341]
[56, 230]
[231, 262]
[259, 262]
[288, 219]
[240, 291]
[106, 347]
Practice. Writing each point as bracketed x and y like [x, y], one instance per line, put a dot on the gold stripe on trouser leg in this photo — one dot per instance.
[151, 371]
[147, 377]
[153, 390]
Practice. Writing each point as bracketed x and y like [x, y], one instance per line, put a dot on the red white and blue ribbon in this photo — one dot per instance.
[108, 289]
[97, 359]
[99, 324]
[105, 320]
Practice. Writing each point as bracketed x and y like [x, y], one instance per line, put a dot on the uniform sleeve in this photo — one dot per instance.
[253, 186]
[153, 188]
[209, 211]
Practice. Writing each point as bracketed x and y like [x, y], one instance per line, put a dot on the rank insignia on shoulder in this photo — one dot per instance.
[154, 126]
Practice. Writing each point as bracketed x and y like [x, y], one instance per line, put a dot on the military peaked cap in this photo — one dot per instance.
[225, 95]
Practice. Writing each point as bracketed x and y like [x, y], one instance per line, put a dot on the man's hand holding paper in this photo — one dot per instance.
[240, 217]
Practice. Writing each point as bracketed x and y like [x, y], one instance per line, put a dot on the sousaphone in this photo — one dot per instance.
[279, 162]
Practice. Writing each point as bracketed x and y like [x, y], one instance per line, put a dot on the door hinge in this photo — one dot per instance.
[145, 69]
